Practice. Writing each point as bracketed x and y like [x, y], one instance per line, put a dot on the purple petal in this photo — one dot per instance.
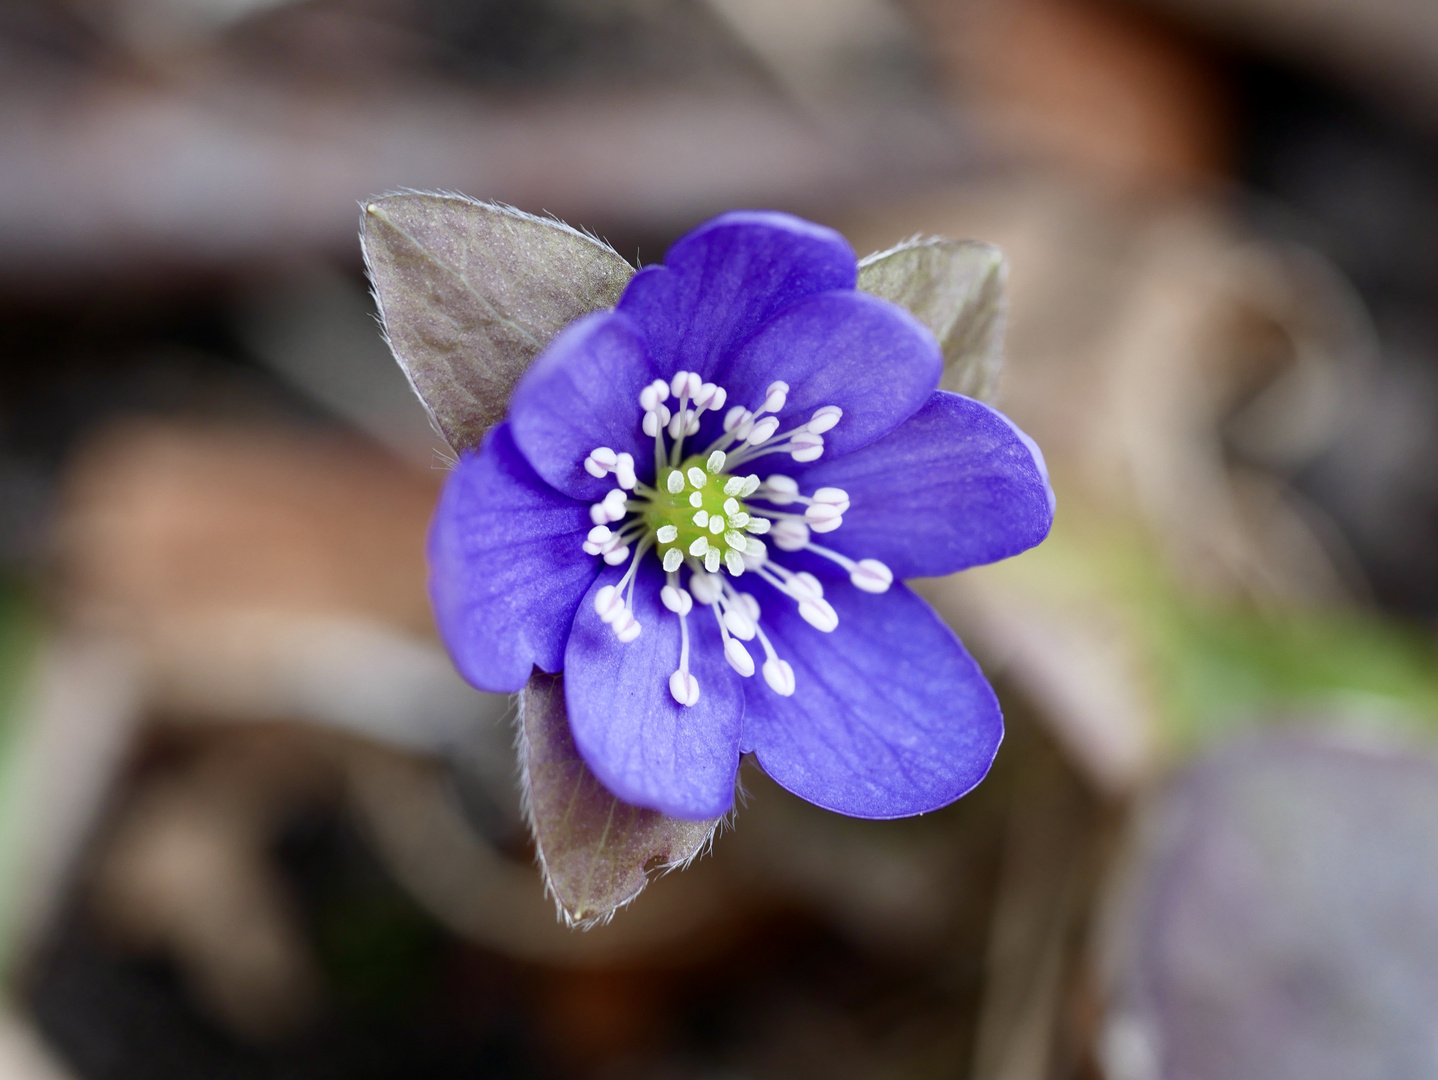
[868, 356]
[890, 716]
[956, 485]
[727, 278]
[645, 748]
[582, 393]
[506, 566]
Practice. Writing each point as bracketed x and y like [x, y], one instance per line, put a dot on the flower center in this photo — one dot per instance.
[703, 513]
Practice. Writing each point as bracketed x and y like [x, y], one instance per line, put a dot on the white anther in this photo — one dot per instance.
[819, 614]
[699, 547]
[738, 623]
[684, 687]
[701, 518]
[720, 397]
[806, 586]
[806, 446]
[649, 397]
[616, 504]
[756, 526]
[624, 472]
[676, 600]
[820, 513]
[751, 485]
[827, 525]
[705, 394]
[675, 482]
[692, 384]
[781, 490]
[763, 431]
[832, 496]
[734, 417]
[594, 469]
[673, 559]
[679, 382]
[738, 520]
[716, 523]
[591, 548]
[599, 534]
[598, 514]
[695, 499]
[608, 603]
[627, 630]
[745, 427]
[731, 506]
[706, 587]
[780, 676]
[824, 419]
[691, 422]
[739, 658]
[736, 540]
[750, 605]
[652, 424]
[734, 560]
[776, 396]
[789, 534]
[604, 456]
[755, 554]
[697, 476]
[620, 618]
[872, 576]
[617, 555]
[715, 464]
[733, 485]
[667, 534]
[676, 424]
[712, 558]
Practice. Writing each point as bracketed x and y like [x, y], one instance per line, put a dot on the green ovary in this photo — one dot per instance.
[679, 510]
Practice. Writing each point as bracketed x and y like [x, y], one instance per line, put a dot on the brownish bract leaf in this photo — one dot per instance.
[596, 852]
[470, 292]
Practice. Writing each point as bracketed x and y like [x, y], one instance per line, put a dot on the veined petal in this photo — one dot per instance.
[583, 393]
[507, 569]
[727, 278]
[646, 748]
[890, 715]
[956, 485]
[868, 356]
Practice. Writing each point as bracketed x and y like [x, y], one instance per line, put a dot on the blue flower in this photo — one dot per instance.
[701, 508]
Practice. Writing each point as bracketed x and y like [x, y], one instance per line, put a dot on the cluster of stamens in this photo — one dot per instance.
[704, 515]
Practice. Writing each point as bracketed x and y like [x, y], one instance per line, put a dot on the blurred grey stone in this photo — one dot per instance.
[1281, 919]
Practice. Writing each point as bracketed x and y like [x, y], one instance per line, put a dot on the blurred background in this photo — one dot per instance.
[253, 826]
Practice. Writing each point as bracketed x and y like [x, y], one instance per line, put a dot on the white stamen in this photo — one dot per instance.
[695, 499]
[699, 547]
[701, 518]
[594, 469]
[679, 382]
[751, 485]
[780, 490]
[716, 523]
[626, 626]
[667, 534]
[806, 446]
[697, 476]
[684, 687]
[616, 503]
[720, 397]
[734, 417]
[652, 424]
[598, 514]
[824, 419]
[832, 496]
[715, 464]
[673, 559]
[735, 539]
[738, 657]
[738, 623]
[819, 614]
[608, 603]
[872, 576]
[739, 519]
[806, 586]
[789, 534]
[617, 555]
[749, 604]
[692, 384]
[755, 553]
[704, 395]
[731, 506]
[734, 560]
[822, 518]
[763, 430]
[706, 587]
[780, 676]
[624, 472]
[732, 486]
[758, 526]
[599, 534]
[675, 482]
[604, 456]
[776, 396]
[676, 599]
[711, 560]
